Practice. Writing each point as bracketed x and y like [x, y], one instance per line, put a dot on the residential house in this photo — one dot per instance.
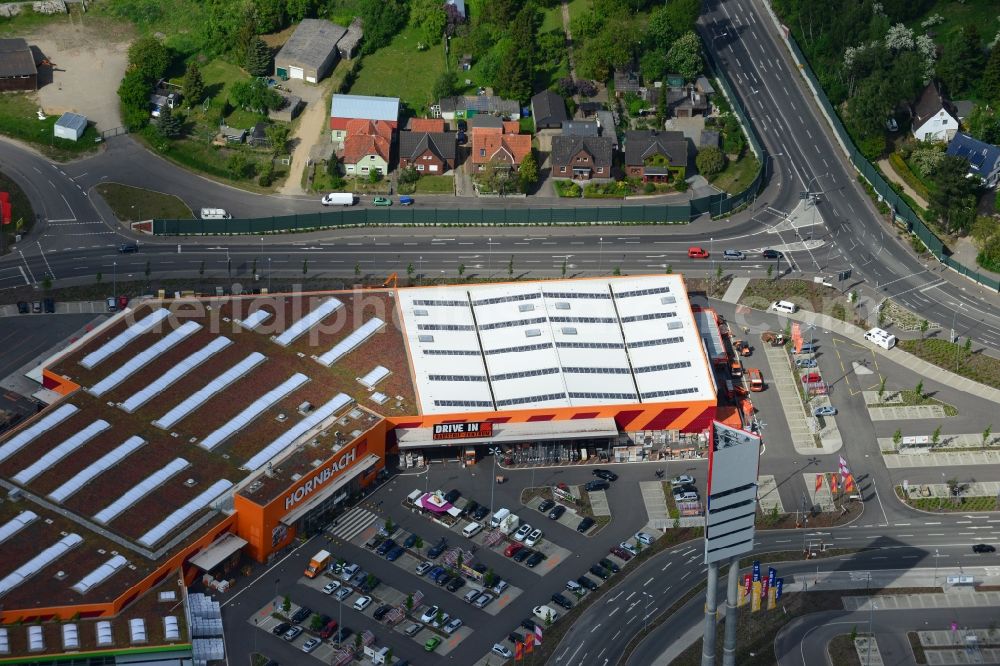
[347, 46]
[704, 86]
[654, 156]
[581, 157]
[289, 109]
[367, 148]
[549, 110]
[581, 128]
[983, 158]
[458, 108]
[344, 108]
[686, 102]
[626, 82]
[425, 125]
[311, 52]
[17, 66]
[502, 147]
[933, 116]
[606, 123]
[430, 153]
[963, 109]
[483, 122]
[709, 139]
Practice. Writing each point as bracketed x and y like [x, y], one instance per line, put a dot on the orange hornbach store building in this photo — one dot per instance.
[184, 434]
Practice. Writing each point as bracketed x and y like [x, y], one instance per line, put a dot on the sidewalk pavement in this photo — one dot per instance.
[944, 460]
[735, 290]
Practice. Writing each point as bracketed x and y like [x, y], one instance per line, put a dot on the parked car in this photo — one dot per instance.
[811, 378]
[825, 411]
[111, 303]
[349, 572]
[435, 572]
[609, 565]
[528, 624]
[381, 612]
[470, 507]
[301, 614]
[482, 600]
[645, 539]
[395, 553]
[513, 549]
[358, 578]
[23, 307]
[410, 541]
[452, 495]
[515, 637]
[605, 474]
[455, 584]
[432, 643]
[533, 538]
[733, 255]
[292, 633]
[561, 600]
[557, 512]
[413, 629]
[49, 305]
[600, 571]
[405, 201]
[681, 480]
[771, 254]
[697, 253]
[625, 545]
[280, 628]
[342, 593]
[342, 635]
[311, 645]
[440, 620]
[574, 587]
[437, 549]
[522, 532]
[362, 602]
[430, 614]
[385, 546]
[128, 248]
[36, 306]
[443, 579]
[535, 559]
[621, 553]
[806, 363]
[587, 583]
[984, 548]
[382, 201]
[423, 568]
[331, 587]
[501, 650]
[452, 626]
[522, 554]
[585, 524]
[328, 630]
[593, 486]
[546, 505]
[499, 586]
[481, 513]
[338, 199]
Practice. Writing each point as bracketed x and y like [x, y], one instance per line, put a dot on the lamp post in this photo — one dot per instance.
[600, 256]
[114, 289]
[935, 566]
[269, 275]
[495, 452]
[275, 602]
[489, 265]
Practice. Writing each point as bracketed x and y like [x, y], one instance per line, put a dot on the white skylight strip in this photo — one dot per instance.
[185, 366]
[100, 574]
[140, 490]
[16, 524]
[327, 307]
[45, 424]
[96, 468]
[353, 340]
[377, 374]
[171, 522]
[53, 456]
[257, 408]
[128, 335]
[254, 320]
[171, 628]
[144, 357]
[39, 562]
[285, 440]
[198, 398]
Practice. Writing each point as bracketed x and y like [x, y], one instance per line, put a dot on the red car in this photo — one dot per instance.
[811, 378]
[622, 553]
[512, 549]
[122, 301]
[328, 630]
[697, 253]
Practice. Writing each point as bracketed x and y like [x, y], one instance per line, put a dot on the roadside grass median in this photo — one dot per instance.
[737, 175]
[959, 504]
[131, 204]
[842, 652]
[974, 365]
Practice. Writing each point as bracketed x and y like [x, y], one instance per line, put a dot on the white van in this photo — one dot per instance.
[471, 530]
[545, 613]
[685, 496]
[215, 214]
[784, 306]
[883, 339]
[498, 517]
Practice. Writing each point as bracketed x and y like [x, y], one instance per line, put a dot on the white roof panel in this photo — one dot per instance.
[164, 381]
[70, 637]
[60, 451]
[315, 418]
[4, 642]
[171, 628]
[39, 562]
[100, 574]
[254, 319]
[140, 490]
[96, 468]
[16, 524]
[171, 522]
[44, 424]
[553, 344]
[128, 335]
[36, 638]
[144, 357]
[104, 635]
[374, 376]
[363, 332]
[367, 107]
[315, 316]
[220, 383]
[256, 408]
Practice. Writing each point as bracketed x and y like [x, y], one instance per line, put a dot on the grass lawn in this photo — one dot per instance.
[131, 204]
[18, 119]
[20, 209]
[976, 366]
[958, 14]
[578, 7]
[436, 185]
[400, 70]
[737, 175]
[552, 20]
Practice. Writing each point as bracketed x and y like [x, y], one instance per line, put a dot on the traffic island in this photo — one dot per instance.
[954, 496]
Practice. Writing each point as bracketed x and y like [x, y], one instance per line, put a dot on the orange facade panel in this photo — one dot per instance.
[57, 383]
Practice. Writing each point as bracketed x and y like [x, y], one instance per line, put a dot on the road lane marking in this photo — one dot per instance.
[596, 627]
[665, 566]
[648, 581]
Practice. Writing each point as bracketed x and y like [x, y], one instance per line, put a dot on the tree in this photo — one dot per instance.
[897, 438]
[881, 388]
[410, 270]
[989, 85]
[419, 543]
[936, 436]
[445, 85]
[99, 277]
[408, 176]
[489, 578]
[953, 196]
[305, 267]
[168, 125]
[770, 270]
[984, 123]
[382, 20]
[357, 642]
[510, 267]
[924, 325]
[710, 160]
[528, 173]
[133, 92]
[374, 176]
[461, 270]
[986, 434]
[316, 622]
[670, 269]
[149, 57]
[453, 19]
[919, 391]
[254, 95]
[564, 268]
[357, 274]
[409, 603]
[193, 85]
[286, 604]
[617, 270]
[430, 17]
[513, 80]
[257, 60]
[271, 15]
[962, 62]
[277, 135]
[732, 135]
[239, 167]
[684, 56]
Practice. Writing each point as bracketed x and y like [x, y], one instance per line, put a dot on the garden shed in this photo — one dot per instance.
[310, 52]
[70, 126]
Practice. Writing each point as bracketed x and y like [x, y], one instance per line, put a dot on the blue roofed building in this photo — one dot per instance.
[983, 158]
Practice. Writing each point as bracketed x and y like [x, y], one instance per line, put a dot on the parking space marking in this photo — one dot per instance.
[648, 581]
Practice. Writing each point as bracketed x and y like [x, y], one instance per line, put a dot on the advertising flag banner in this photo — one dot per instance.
[844, 470]
[538, 635]
[772, 598]
[518, 651]
[819, 482]
[833, 484]
[765, 585]
[529, 644]
[745, 592]
[755, 597]
[756, 570]
[849, 484]
[772, 573]
[778, 584]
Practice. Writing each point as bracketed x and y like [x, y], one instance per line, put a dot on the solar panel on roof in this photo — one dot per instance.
[198, 398]
[39, 562]
[256, 408]
[16, 524]
[144, 357]
[162, 382]
[99, 466]
[285, 440]
[23, 438]
[355, 339]
[171, 522]
[128, 335]
[51, 457]
[254, 320]
[100, 574]
[327, 307]
[140, 490]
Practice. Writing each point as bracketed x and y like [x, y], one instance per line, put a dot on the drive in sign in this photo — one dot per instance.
[465, 430]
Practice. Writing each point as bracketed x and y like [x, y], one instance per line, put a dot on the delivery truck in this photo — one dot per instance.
[318, 564]
[509, 524]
